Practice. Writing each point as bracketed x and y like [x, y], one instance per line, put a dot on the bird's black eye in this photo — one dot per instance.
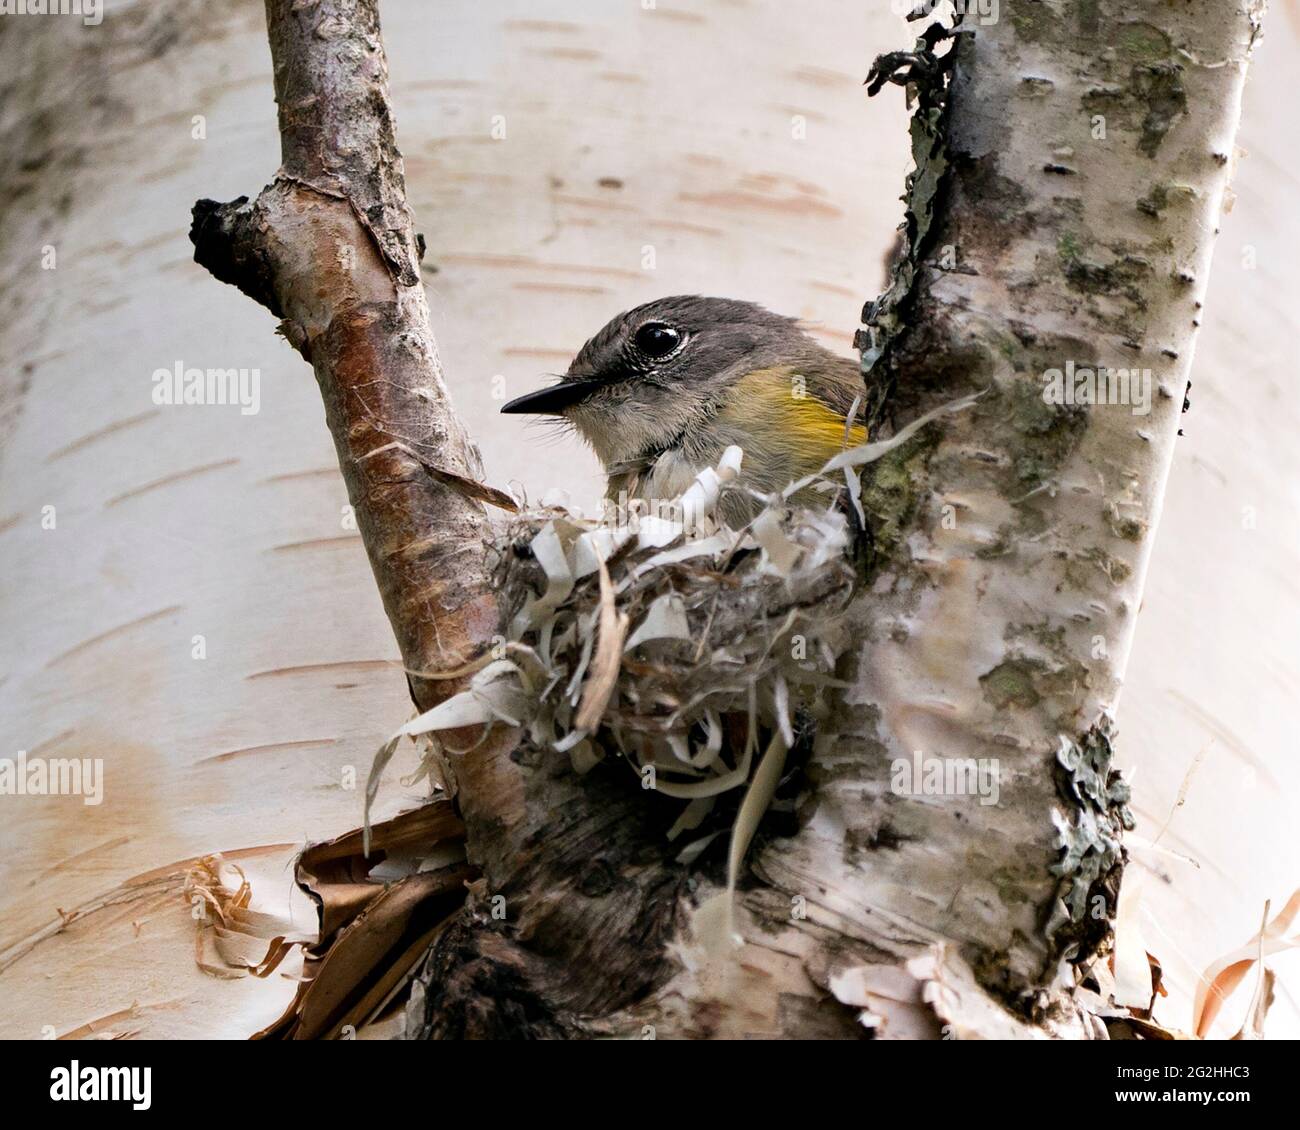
[656, 339]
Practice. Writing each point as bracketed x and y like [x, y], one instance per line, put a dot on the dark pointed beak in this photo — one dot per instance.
[549, 401]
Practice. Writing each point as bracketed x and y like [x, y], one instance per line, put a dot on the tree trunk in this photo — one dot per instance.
[1062, 214]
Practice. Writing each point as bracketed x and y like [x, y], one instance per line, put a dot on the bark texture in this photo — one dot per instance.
[178, 520]
[329, 247]
[1069, 183]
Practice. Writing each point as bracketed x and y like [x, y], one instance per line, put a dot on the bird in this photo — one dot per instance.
[663, 389]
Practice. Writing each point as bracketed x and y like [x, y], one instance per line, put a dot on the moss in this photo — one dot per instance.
[1140, 42]
[1049, 432]
[1011, 683]
[891, 490]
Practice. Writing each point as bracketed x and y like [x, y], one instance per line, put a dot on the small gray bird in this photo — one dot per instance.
[663, 389]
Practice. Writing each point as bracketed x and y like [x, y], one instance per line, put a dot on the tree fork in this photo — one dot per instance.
[979, 638]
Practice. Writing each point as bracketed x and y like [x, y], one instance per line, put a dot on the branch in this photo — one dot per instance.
[329, 248]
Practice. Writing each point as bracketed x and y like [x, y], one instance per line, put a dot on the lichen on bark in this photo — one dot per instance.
[1002, 606]
[1091, 830]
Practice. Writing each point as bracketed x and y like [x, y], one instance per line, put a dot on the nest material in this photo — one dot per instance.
[658, 646]
[661, 636]
[668, 638]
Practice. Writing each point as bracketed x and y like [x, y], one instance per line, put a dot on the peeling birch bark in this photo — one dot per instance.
[330, 248]
[1068, 189]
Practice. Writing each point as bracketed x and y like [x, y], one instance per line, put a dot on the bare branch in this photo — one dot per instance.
[330, 248]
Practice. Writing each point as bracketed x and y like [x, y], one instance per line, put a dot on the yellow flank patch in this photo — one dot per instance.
[773, 398]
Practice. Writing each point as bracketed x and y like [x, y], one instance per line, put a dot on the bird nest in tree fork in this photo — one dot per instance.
[667, 638]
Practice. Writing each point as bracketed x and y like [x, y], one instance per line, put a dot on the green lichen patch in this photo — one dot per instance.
[1035, 22]
[1049, 432]
[1125, 275]
[1082, 568]
[1164, 196]
[1149, 102]
[1040, 667]
[892, 489]
[1124, 525]
[1155, 201]
[1011, 683]
[1069, 248]
[1160, 87]
[1143, 43]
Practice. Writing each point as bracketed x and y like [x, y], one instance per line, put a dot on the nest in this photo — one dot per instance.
[668, 639]
[674, 641]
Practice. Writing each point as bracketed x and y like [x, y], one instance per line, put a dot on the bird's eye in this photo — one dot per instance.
[655, 339]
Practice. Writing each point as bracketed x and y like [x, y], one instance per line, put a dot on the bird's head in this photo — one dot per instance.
[656, 374]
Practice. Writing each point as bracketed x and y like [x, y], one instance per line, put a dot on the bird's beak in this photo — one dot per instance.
[549, 401]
